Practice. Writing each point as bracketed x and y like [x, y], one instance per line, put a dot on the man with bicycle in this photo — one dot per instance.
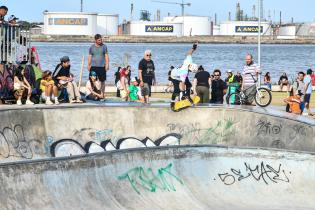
[250, 72]
[250, 68]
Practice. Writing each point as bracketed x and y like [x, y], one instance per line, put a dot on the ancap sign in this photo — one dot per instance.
[159, 28]
[248, 29]
[68, 21]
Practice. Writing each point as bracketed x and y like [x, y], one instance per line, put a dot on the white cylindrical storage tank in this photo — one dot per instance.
[243, 28]
[287, 30]
[69, 23]
[107, 24]
[216, 30]
[150, 28]
[193, 25]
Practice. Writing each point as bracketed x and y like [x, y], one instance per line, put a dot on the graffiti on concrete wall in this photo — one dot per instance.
[272, 133]
[69, 147]
[14, 144]
[149, 180]
[261, 173]
[220, 132]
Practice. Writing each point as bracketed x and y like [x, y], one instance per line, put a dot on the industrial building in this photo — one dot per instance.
[80, 23]
[244, 28]
[170, 26]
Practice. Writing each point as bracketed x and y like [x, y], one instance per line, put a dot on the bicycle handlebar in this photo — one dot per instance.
[255, 80]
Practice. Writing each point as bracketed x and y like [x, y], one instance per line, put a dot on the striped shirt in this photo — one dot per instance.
[247, 78]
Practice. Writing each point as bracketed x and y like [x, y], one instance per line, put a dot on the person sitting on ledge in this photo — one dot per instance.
[284, 81]
[135, 92]
[21, 87]
[93, 88]
[48, 88]
[63, 79]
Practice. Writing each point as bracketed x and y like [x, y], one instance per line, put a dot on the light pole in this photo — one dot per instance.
[259, 38]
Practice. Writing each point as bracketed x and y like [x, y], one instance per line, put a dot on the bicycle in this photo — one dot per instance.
[261, 95]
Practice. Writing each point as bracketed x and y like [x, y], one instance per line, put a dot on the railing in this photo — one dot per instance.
[15, 44]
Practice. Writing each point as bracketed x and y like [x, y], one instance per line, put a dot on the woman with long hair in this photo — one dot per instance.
[22, 87]
[93, 88]
[267, 80]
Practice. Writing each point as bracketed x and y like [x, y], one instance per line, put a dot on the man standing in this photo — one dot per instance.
[146, 75]
[249, 69]
[63, 79]
[308, 90]
[218, 87]
[98, 61]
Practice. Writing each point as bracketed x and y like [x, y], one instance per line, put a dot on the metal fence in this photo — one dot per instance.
[15, 44]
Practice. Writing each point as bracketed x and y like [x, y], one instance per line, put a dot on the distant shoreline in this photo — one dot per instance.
[176, 40]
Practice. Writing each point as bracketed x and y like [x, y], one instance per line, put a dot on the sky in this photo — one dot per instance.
[32, 10]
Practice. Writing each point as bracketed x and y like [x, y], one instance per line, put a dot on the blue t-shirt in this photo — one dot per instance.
[182, 72]
[307, 79]
[98, 55]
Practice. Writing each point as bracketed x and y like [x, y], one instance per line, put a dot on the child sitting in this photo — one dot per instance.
[48, 88]
[21, 87]
[134, 91]
[294, 102]
[93, 88]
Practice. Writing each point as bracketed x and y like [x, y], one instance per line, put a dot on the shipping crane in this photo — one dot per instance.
[183, 4]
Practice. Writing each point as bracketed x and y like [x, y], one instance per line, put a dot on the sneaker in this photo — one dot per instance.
[72, 101]
[56, 102]
[19, 102]
[49, 102]
[29, 102]
[79, 100]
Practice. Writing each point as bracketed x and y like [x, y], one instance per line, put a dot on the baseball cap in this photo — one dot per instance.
[93, 74]
[133, 79]
[64, 59]
[12, 17]
[229, 71]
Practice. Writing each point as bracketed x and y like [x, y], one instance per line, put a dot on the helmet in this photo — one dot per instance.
[193, 67]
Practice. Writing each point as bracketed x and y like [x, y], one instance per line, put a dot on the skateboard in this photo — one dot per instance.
[183, 104]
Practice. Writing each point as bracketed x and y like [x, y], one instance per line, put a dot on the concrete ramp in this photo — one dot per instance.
[180, 177]
[43, 132]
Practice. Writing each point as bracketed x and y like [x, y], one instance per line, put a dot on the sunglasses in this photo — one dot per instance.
[216, 75]
[149, 55]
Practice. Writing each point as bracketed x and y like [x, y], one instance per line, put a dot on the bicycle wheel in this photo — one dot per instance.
[263, 97]
[234, 99]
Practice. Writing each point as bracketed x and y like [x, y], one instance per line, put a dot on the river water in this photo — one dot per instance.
[275, 58]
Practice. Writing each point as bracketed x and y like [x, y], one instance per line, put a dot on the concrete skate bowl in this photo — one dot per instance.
[41, 132]
[177, 177]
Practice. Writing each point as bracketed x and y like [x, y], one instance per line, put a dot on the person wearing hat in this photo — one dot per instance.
[12, 20]
[232, 82]
[134, 91]
[93, 88]
[179, 76]
[63, 79]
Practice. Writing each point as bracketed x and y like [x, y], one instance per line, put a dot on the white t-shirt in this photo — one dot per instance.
[88, 87]
[182, 72]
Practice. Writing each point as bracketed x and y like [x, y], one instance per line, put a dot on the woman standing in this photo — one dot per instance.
[267, 80]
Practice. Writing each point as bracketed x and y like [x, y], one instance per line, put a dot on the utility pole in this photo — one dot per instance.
[259, 36]
[81, 6]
